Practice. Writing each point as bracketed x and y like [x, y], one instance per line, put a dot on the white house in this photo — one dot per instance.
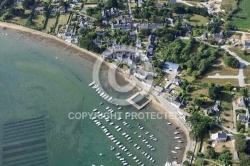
[220, 137]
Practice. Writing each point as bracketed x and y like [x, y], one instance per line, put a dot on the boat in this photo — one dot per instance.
[101, 154]
[169, 123]
[94, 110]
[102, 94]
[177, 137]
[178, 148]
[107, 108]
[97, 89]
[110, 98]
[179, 141]
[96, 86]
[92, 83]
[173, 151]
[101, 103]
[119, 108]
[175, 133]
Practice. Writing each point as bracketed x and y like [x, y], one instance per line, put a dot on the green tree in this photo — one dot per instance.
[210, 153]
[224, 157]
[240, 143]
[112, 3]
[244, 160]
[200, 124]
[238, 126]
[28, 3]
[200, 162]
[232, 62]
[186, 163]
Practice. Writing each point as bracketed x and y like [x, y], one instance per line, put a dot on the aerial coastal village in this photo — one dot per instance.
[194, 56]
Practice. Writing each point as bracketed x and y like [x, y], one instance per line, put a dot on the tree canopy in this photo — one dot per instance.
[200, 125]
[240, 143]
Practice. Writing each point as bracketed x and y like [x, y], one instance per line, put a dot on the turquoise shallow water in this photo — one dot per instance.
[33, 83]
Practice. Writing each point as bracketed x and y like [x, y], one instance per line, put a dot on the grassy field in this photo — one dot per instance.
[247, 74]
[234, 82]
[51, 21]
[198, 19]
[228, 5]
[38, 20]
[62, 20]
[240, 53]
[244, 11]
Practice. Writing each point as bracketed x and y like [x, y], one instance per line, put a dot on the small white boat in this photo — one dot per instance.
[177, 137]
[119, 108]
[92, 83]
[169, 123]
[178, 148]
[110, 98]
[173, 151]
[94, 110]
[175, 133]
[179, 141]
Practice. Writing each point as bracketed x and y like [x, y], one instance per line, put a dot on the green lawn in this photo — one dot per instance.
[198, 19]
[51, 21]
[38, 20]
[247, 74]
[244, 6]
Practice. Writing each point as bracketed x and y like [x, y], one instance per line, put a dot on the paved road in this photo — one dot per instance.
[184, 2]
[240, 76]
[247, 33]
[225, 47]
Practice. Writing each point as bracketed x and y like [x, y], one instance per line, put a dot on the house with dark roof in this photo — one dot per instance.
[172, 1]
[246, 43]
[218, 36]
[171, 66]
[126, 27]
[220, 137]
[176, 102]
[210, 112]
[150, 26]
[242, 118]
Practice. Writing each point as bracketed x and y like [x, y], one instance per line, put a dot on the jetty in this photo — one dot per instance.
[136, 100]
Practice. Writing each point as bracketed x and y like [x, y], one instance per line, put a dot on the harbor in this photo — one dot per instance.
[145, 140]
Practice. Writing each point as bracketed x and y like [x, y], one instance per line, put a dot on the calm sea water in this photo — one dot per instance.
[33, 82]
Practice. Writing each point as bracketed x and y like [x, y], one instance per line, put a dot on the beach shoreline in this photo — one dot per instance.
[93, 57]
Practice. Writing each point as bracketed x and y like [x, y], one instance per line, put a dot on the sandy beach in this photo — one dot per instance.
[92, 57]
